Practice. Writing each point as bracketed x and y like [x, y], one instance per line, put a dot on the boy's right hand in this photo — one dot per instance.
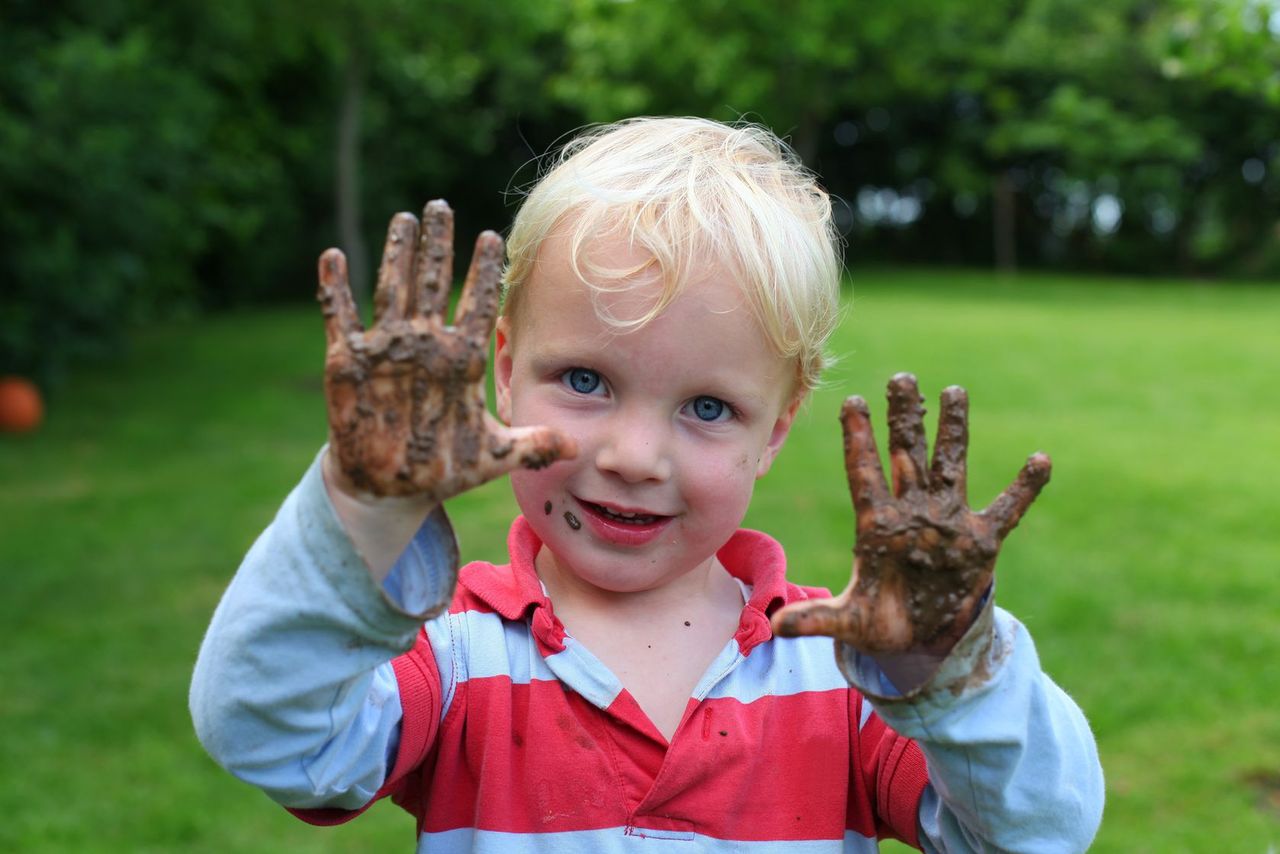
[406, 398]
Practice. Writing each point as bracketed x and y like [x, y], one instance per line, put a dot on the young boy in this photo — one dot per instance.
[639, 677]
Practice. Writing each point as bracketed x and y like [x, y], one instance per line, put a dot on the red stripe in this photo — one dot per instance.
[759, 771]
[525, 758]
[885, 802]
[536, 758]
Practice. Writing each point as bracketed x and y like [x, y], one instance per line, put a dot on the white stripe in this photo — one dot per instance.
[783, 667]
[581, 671]
[440, 635]
[729, 659]
[616, 840]
[475, 645]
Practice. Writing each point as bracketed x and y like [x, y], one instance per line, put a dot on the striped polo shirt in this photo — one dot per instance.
[516, 738]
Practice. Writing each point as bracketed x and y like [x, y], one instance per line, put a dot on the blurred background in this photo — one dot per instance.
[1070, 207]
[162, 158]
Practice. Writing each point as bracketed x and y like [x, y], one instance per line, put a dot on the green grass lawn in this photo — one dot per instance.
[1148, 572]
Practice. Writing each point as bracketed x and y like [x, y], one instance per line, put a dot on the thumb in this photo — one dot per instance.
[528, 447]
[829, 617]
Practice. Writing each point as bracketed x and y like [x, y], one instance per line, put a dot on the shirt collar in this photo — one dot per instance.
[514, 590]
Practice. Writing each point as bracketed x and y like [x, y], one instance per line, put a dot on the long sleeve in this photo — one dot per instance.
[1012, 762]
[294, 689]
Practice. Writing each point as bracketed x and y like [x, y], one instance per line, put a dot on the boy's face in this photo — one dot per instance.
[674, 421]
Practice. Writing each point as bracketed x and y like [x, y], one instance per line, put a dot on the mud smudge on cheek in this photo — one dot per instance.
[546, 508]
[572, 520]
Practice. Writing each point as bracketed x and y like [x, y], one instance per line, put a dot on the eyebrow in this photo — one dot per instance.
[546, 355]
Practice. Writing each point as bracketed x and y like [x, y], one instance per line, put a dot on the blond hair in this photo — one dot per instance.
[691, 192]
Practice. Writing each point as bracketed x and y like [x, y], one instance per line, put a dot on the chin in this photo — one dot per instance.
[620, 577]
[612, 573]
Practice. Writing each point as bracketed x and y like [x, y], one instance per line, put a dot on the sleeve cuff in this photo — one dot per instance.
[420, 584]
[422, 579]
[971, 664]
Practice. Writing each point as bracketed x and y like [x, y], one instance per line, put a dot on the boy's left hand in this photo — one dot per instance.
[923, 559]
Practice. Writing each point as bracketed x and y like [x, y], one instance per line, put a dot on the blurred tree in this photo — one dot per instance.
[159, 157]
[446, 98]
[1084, 134]
[420, 102]
[99, 137]
[1223, 60]
[1061, 115]
[789, 66]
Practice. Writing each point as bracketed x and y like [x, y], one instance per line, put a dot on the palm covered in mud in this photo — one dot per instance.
[406, 398]
[923, 559]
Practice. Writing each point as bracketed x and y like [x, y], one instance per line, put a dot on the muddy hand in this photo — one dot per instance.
[923, 559]
[406, 397]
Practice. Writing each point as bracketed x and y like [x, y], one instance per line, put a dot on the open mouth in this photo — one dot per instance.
[622, 517]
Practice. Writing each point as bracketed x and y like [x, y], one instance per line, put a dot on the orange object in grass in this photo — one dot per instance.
[21, 407]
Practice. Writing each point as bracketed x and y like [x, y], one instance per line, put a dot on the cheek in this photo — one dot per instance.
[722, 484]
[543, 503]
[726, 477]
[533, 489]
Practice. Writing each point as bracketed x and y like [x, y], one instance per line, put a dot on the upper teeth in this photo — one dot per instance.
[624, 514]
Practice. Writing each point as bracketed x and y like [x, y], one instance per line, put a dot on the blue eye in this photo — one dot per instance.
[582, 380]
[709, 408]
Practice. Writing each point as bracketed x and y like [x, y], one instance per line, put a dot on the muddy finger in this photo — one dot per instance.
[830, 617]
[433, 266]
[908, 451]
[950, 449]
[1006, 511]
[392, 300]
[511, 448]
[334, 294]
[478, 304]
[867, 485]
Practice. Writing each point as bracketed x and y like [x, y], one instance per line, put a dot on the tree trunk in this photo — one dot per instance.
[1004, 222]
[350, 237]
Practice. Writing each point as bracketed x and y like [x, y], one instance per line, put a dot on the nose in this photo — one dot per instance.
[635, 449]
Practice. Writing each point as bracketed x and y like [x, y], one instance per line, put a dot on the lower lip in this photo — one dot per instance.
[621, 533]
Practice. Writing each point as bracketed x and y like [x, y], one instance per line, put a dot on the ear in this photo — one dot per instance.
[781, 428]
[502, 366]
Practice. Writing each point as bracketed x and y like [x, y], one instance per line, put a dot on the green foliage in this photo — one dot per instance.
[446, 106]
[159, 158]
[790, 66]
[97, 165]
[158, 163]
[1230, 44]
[1089, 132]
